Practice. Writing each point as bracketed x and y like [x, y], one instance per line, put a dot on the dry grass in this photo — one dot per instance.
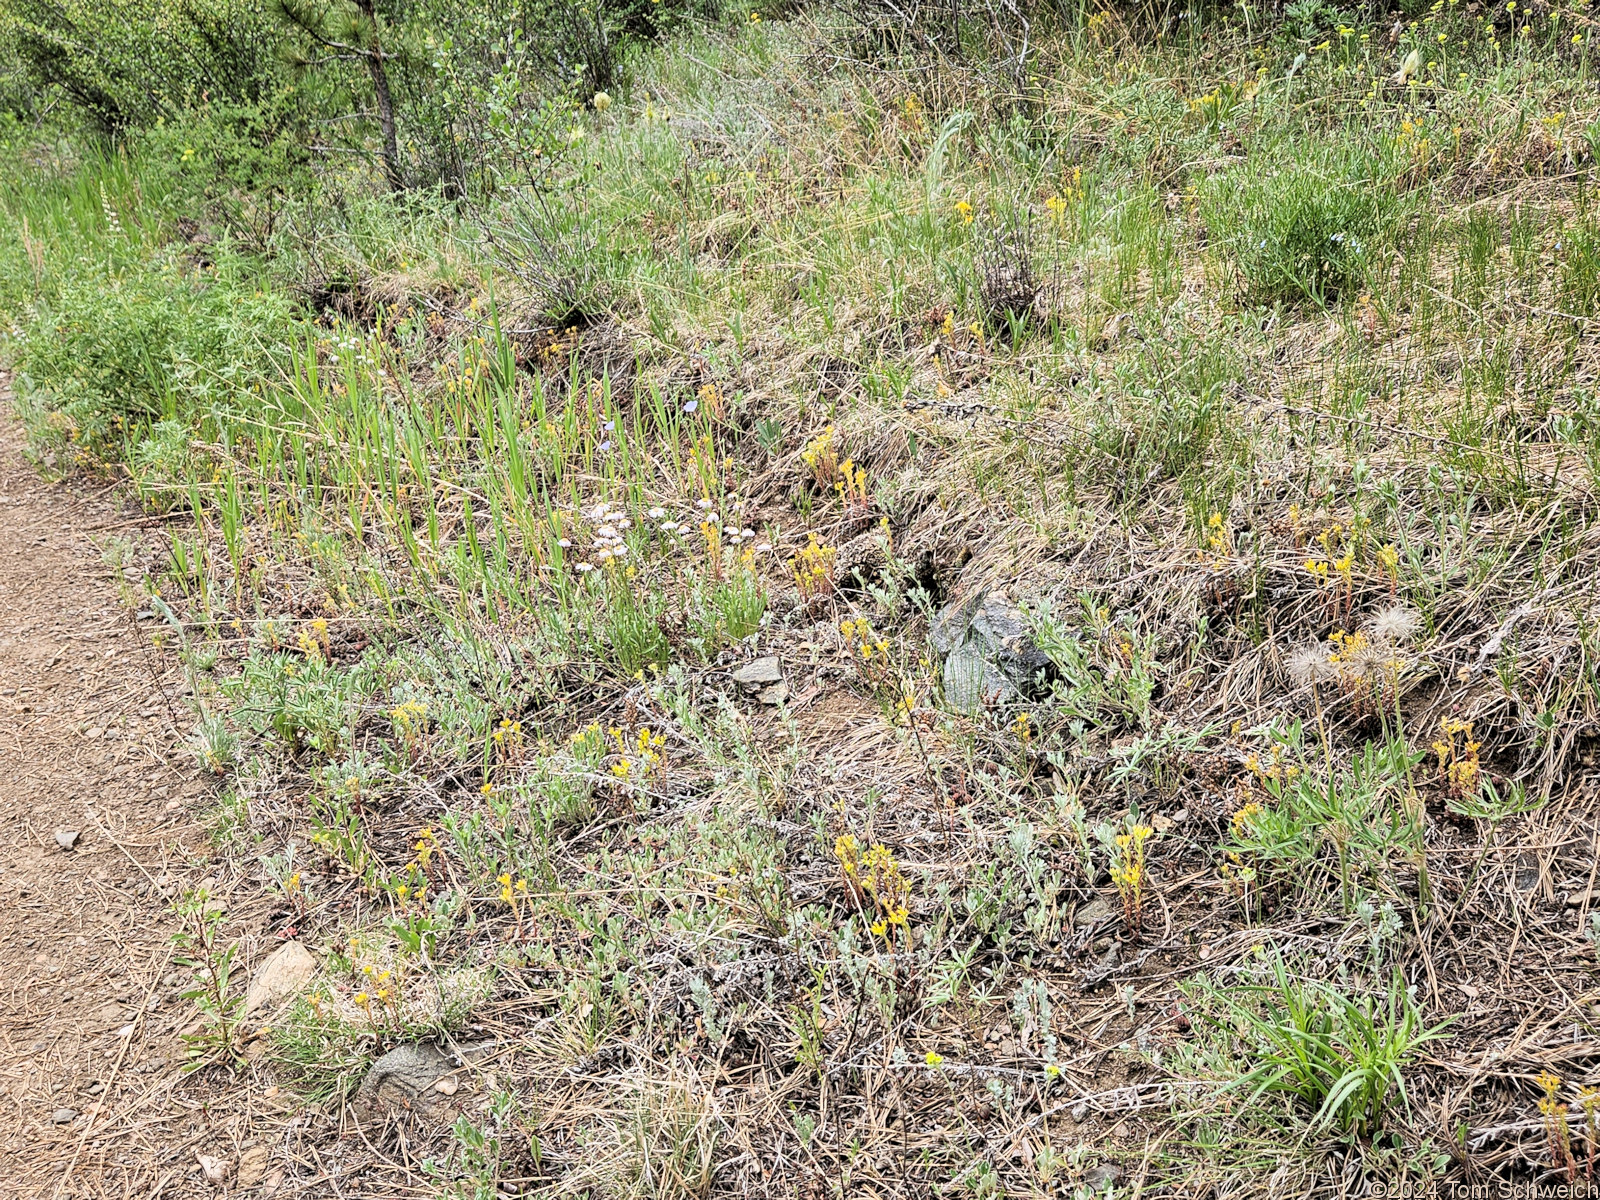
[698, 993]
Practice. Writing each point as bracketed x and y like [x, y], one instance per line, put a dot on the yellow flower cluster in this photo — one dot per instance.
[474, 365]
[410, 720]
[877, 875]
[821, 458]
[409, 715]
[514, 895]
[1219, 538]
[1389, 560]
[867, 649]
[1458, 757]
[1128, 871]
[1273, 769]
[313, 641]
[382, 1002]
[507, 740]
[1554, 1111]
[813, 568]
[587, 744]
[640, 759]
[1347, 647]
[1023, 728]
[911, 109]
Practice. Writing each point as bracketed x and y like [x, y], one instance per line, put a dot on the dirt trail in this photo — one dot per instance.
[92, 1099]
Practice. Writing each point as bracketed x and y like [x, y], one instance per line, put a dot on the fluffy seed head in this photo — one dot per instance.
[1396, 625]
[1309, 665]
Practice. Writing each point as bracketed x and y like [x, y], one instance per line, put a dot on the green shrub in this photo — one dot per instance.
[135, 62]
[120, 332]
[727, 610]
[118, 349]
[232, 165]
[628, 633]
[304, 703]
[1306, 231]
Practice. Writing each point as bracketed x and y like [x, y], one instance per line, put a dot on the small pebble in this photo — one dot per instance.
[66, 838]
[62, 1116]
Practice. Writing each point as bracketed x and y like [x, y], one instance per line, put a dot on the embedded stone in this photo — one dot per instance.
[404, 1079]
[761, 672]
[282, 977]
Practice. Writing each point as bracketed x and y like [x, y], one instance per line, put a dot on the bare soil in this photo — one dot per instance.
[95, 1101]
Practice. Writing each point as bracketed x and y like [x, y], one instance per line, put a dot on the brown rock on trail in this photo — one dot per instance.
[92, 1102]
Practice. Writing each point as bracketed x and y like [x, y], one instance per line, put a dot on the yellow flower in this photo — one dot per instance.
[964, 211]
[932, 1059]
[845, 849]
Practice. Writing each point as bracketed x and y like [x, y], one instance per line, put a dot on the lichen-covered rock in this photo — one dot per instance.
[404, 1079]
[759, 673]
[989, 655]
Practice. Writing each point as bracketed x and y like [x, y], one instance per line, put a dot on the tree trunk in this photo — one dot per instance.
[380, 88]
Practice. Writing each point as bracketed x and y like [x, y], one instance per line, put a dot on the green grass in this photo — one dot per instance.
[1338, 1058]
[1244, 349]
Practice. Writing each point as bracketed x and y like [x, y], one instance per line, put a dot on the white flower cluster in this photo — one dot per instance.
[611, 526]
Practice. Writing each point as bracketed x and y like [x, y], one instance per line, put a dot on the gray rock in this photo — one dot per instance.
[759, 673]
[950, 624]
[404, 1079]
[1000, 626]
[66, 838]
[774, 695]
[989, 654]
[1094, 912]
[1103, 1176]
[62, 1116]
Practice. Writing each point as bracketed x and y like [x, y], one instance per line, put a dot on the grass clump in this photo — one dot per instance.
[1306, 232]
[1339, 1058]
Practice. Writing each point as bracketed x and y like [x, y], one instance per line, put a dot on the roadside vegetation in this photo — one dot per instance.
[1157, 446]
